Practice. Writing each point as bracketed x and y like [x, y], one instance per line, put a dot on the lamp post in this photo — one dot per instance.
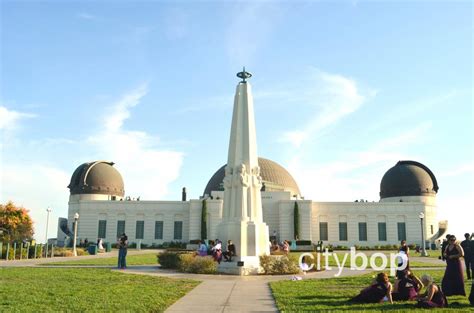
[47, 225]
[76, 218]
[423, 248]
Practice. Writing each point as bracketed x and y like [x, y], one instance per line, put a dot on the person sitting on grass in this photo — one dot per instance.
[230, 252]
[286, 247]
[378, 292]
[407, 287]
[433, 296]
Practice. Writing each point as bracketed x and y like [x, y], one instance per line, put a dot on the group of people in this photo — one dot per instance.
[122, 245]
[408, 287]
[214, 248]
[280, 247]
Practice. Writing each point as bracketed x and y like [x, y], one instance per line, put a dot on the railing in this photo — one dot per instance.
[10, 251]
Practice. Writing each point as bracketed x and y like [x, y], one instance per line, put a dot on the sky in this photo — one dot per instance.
[343, 90]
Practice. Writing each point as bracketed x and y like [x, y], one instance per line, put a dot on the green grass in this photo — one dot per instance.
[332, 295]
[91, 290]
[138, 259]
[378, 261]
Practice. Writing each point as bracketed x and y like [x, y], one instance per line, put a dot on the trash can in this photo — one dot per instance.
[108, 247]
[92, 249]
[433, 246]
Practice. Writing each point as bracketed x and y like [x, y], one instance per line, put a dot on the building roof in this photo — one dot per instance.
[408, 178]
[274, 176]
[98, 177]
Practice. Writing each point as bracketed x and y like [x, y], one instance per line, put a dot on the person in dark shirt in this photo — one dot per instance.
[466, 246]
[443, 246]
[230, 252]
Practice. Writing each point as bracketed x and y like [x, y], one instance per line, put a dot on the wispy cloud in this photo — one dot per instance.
[147, 170]
[332, 98]
[86, 16]
[9, 118]
[354, 174]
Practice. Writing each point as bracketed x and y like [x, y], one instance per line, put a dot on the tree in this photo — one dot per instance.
[15, 223]
[296, 221]
[204, 220]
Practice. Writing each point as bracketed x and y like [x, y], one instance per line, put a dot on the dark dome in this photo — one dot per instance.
[99, 177]
[274, 176]
[408, 178]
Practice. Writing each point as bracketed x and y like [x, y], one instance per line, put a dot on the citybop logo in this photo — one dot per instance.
[359, 261]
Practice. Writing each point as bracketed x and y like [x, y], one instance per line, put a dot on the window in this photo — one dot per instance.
[343, 231]
[102, 229]
[178, 230]
[140, 229]
[159, 230]
[432, 229]
[402, 234]
[323, 231]
[363, 231]
[120, 228]
[382, 231]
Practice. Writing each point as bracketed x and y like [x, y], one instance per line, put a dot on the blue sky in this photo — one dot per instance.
[342, 91]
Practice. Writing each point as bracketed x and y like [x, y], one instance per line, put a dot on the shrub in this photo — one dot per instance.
[190, 263]
[169, 259]
[279, 265]
[194, 241]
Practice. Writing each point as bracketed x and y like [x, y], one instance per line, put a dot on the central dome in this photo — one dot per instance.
[274, 176]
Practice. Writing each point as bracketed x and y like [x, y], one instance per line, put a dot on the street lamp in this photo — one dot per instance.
[76, 218]
[423, 248]
[47, 223]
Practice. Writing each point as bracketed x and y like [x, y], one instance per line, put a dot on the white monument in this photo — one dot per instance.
[242, 220]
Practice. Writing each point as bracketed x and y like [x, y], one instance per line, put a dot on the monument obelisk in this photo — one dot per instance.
[242, 212]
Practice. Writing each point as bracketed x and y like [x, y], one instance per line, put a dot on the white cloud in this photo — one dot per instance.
[9, 119]
[86, 16]
[331, 97]
[146, 169]
[31, 182]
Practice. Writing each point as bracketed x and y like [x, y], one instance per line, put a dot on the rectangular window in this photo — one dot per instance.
[323, 231]
[178, 230]
[402, 232]
[140, 230]
[102, 229]
[120, 228]
[343, 231]
[432, 229]
[363, 231]
[158, 229]
[382, 231]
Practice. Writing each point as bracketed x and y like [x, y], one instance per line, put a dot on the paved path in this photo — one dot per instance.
[34, 262]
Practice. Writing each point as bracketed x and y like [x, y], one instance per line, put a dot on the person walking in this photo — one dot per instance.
[453, 280]
[122, 244]
[466, 246]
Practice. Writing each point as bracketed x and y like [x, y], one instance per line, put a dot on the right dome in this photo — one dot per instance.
[408, 178]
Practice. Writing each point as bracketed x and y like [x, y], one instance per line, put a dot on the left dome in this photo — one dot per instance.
[99, 177]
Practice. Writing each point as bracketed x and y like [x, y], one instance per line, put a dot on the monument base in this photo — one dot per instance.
[244, 266]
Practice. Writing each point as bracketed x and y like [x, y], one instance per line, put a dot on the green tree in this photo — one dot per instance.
[15, 223]
[296, 221]
[204, 220]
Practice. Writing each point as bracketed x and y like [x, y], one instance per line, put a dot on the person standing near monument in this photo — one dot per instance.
[122, 245]
[466, 246]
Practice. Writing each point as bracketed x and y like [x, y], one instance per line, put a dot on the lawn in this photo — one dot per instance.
[139, 259]
[332, 295]
[79, 290]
